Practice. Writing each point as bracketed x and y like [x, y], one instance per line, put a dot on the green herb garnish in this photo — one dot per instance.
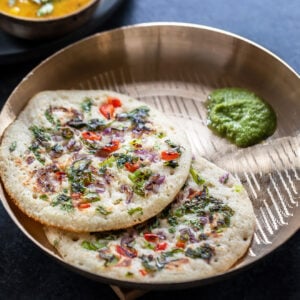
[40, 133]
[43, 197]
[136, 210]
[205, 252]
[196, 177]
[102, 210]
[171, 163]
[12, 147]
[86, 104]
[94, 246]
[64, 201]
[49, 116]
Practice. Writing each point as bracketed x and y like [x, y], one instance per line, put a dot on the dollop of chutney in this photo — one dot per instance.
[240, 116]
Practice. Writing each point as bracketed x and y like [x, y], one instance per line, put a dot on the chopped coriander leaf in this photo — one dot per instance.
[86, 104]
[96, 124]
[103, 211]
[40, 133]
[64, 202]
[122, 159]
[171, 163]
[238, 188]
[172, 230]
[172, 220]
[12, 147]
[34, 148]
[108, 162]
[43, 197]
[196, 177]
[139, 178]
[94, 246]
[49, 116]
[129, 274]
[160, 135]
[135, 210]
[92, 197]
[205, 252]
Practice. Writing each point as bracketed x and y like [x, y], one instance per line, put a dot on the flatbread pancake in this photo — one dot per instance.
[204, 232]
[92, 160]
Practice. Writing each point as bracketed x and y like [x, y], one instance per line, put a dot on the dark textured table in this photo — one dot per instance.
[27, 273]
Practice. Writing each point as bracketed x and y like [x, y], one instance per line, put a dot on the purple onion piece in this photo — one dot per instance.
[107, 131]
[224, 178]
[161, 235]
[187, 232]
[203, 220]
[128, 191]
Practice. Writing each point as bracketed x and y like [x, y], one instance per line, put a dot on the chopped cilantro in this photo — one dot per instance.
[64, 201]
[205, 252]
[135, 210]
[43, 197]
[49, 116]
[86, 104]
[171, 163]
[40, 133]
[103, 211]
[92, 197]
[12, 147]
[94, 246]
[196, 177]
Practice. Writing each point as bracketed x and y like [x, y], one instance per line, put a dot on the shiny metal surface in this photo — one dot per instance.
[173, 67]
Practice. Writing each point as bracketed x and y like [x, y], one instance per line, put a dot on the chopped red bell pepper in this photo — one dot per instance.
[92, 136]
[143, 272]
[169, 155]
[161, 246]
[131, 167]
[114, 101]
[107, 110]
[180, 244]
[112, 146]
[59, 176]
[84, 205]
[150, 237]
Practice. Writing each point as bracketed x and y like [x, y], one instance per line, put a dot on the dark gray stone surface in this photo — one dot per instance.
[27, 273]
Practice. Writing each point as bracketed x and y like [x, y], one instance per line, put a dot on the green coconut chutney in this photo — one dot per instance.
[240, 116]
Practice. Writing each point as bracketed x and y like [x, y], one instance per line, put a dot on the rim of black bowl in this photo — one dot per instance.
[51, 19]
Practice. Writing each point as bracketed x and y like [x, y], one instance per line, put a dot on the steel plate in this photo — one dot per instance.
[173, 67]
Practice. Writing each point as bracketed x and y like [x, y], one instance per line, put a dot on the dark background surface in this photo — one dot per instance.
[27, 273]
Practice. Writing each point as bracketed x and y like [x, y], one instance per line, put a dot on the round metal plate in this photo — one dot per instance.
[173, 67]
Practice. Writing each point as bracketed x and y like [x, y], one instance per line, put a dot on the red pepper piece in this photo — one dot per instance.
[113, 146]
[114, 101]
[131, 167]
[59, 176]
[169, 155]
[107, 110]
[84, 205]
[143, 272]
[92, 136]
[161, 246]
[180, 244]
[150, 237]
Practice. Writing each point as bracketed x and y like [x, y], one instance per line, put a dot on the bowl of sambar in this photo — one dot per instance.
[44, 19]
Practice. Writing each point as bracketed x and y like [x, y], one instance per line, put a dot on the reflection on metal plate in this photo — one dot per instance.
[174, 67]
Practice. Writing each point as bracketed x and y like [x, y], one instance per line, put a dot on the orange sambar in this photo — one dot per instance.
[29, 9]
